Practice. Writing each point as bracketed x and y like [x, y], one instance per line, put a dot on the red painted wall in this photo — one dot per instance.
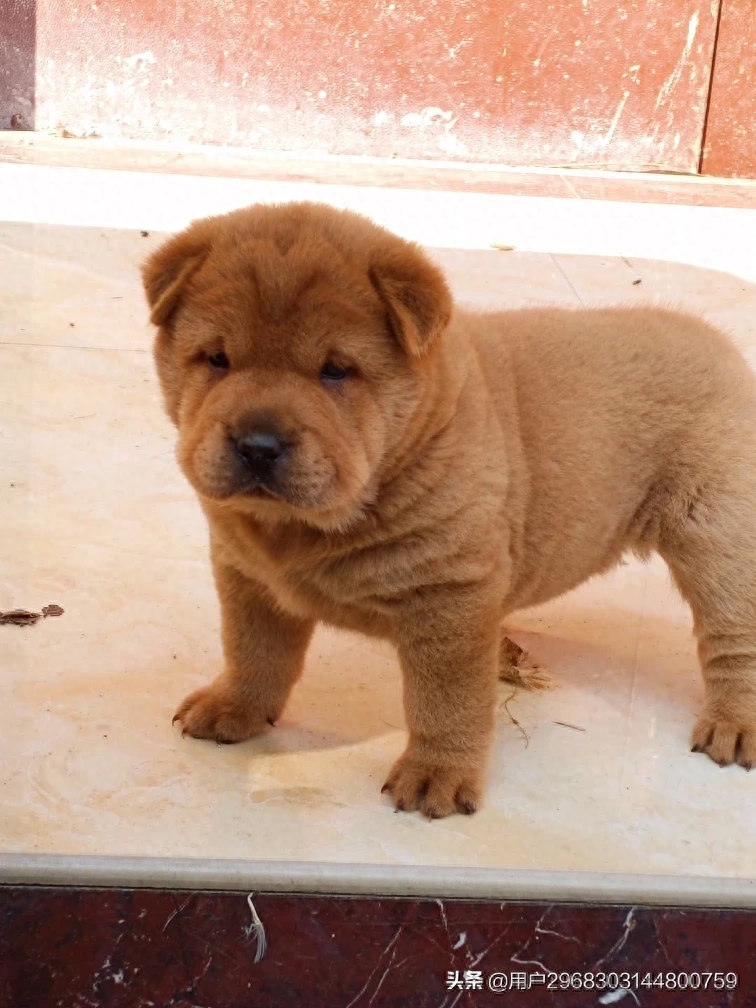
[597, 82]
[17, 63]
[576, 81]
[730, 147]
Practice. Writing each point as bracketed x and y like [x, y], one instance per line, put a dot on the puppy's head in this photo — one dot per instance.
[292, 349]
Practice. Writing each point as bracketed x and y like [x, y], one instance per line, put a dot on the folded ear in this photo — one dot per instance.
[415, 294]
[167, 271]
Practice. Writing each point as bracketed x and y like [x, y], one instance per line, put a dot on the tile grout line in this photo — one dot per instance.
[569, 282]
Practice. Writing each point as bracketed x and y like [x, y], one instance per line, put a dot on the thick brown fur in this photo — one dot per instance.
[461, 466]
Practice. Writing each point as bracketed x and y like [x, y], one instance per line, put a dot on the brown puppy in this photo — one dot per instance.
[371, 458]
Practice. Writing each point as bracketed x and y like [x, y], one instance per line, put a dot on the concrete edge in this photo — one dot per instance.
[320, 167]
[374, 880]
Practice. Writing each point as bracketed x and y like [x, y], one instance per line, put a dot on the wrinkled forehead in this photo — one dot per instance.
[256, 300]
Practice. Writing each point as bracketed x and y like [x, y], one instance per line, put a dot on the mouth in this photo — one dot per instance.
[260, 491]
[252, 485]
[252, 489]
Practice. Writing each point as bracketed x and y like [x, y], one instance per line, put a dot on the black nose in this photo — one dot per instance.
[261, 449]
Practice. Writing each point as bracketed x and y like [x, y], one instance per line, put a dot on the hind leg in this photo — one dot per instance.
[710, 546]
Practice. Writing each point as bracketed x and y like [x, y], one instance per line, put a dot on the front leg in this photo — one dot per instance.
[264, 650]
[449, 651]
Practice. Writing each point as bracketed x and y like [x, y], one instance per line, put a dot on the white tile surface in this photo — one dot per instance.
[712, 237]
[97, 518]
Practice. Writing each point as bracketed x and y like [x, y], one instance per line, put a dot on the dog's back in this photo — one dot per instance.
[618, 412]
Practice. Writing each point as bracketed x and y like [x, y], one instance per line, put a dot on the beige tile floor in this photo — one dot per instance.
[96, 517]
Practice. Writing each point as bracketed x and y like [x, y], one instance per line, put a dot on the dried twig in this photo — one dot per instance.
[513, 719]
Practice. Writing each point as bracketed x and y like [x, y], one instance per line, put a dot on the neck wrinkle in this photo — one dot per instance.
[432, 415]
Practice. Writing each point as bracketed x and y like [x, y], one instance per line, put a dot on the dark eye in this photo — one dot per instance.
[333, 372]
[219, 361]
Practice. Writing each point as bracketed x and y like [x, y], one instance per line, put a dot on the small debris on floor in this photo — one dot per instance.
[636, 281]
[145, 234]
[502, 248]
[566, 724]
[513, 652]
[513, 719]
[523, 672]
[22, 617]
[256, 928]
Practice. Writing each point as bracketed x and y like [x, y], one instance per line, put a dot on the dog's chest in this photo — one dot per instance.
[347, 590]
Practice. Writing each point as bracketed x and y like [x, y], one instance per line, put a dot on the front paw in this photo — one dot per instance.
[436, 789]
[725, 739]
[219, 712]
